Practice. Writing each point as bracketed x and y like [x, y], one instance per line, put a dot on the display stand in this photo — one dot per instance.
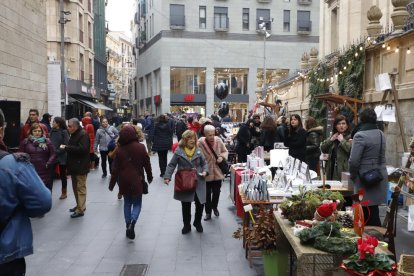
[352, 103]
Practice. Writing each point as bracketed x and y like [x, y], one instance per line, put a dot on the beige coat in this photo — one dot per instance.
[214, 172]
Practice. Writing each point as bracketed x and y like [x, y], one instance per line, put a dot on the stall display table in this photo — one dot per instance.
[309, 261]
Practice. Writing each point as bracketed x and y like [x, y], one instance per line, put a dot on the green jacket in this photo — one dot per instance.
[342, 157]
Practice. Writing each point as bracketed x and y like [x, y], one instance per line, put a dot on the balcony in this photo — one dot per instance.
[221, 25]
[81, 36]
[304, 2]
[177, 22]
[264, 1]
[304, 27]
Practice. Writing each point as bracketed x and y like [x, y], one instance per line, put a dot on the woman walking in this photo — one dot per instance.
[368, 152]
[128, 171]
[59, 135]
[296, 138]
[42, 153]
[187, 156]
[213, 146]
[338, 147]
[103, 136]
[162, 140]
[313, 142]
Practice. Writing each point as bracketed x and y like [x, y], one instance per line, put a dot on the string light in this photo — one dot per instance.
[397, 49]
[361, 48]
[388, 47]
[356, 54]
[344, 67]
[383, 45]
[349, 62]
[340, 72]
[408, 51]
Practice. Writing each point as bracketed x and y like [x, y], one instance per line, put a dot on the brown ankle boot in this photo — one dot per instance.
[64, 194]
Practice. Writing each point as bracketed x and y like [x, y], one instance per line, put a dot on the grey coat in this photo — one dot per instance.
[102, 137]
[364, 156]
[181, 161]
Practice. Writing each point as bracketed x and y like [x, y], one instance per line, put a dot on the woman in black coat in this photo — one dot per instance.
[296, 138]
[59, 135]
[313, 143]
[162, 140]
[243, 138]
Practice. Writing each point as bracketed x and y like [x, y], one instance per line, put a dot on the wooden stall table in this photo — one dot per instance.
[310, 261]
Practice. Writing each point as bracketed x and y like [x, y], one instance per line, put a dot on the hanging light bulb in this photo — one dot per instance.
[344, 67]
[388, 47]
[383, 45]
[397, 49]
[408, 51]
[356, 54]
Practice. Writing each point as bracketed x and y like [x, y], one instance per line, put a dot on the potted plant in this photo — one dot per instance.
[264, 237]
[366, 262]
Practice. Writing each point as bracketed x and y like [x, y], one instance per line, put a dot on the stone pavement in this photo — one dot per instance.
[96, 244]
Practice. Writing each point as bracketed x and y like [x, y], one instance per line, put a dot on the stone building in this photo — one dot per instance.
[187, 48]
[23, 62]
[388, 49]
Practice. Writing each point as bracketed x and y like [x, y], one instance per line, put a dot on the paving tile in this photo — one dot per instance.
[109, 265]
[216, 273]
[214, 262]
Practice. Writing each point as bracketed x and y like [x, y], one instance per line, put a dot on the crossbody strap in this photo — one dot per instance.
[380, 152]
[211, 148]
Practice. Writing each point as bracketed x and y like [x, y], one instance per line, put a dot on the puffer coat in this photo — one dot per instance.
[181, 161]
[162, 136]
[42, 159]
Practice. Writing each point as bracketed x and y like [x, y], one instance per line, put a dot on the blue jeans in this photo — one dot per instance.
[132, 208]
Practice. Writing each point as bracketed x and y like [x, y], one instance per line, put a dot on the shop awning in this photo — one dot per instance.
[93, 104]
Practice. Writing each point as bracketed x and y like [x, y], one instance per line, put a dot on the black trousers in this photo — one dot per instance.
[186, 211]
[63, 176]
[104, 157]
[162, 160]
[16, 267]
[371, 215]
[213, 195]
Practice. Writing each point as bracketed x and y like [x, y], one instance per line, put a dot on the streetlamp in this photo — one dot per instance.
[266, 34]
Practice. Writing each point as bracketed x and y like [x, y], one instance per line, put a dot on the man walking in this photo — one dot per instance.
[33, 118]
[77, 164]
[23, 195]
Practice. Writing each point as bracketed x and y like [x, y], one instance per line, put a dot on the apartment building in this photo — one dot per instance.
[121, 70]
[23, 63]
[186, 48]
[78, 56]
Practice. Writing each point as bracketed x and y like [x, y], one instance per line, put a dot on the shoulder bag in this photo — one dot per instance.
[373, 177]
[223, 165]
[112, 141]
[185, 180]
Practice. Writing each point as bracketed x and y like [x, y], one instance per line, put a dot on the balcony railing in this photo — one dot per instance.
[177, 22]
[221, 25]
[81, 36]
[304, 2]
[304, 27]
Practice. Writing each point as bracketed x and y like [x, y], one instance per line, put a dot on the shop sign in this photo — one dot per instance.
[157, 100]
[189, 98]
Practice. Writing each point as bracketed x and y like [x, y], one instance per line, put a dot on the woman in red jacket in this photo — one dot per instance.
[88, 127]
[128, 170]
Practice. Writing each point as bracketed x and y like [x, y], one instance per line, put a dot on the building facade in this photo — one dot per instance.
[187, 48]
[79, 54]
[23, 63]
[99, 46]
[121, 71]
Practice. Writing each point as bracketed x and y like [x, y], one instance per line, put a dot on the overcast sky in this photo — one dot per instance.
[119, 14]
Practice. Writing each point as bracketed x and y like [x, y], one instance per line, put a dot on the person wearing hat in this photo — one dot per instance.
[46, 119]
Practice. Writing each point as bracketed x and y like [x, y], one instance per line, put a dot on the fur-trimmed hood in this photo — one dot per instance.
[316, 129]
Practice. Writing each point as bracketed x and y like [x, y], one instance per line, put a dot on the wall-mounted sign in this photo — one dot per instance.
[157, 100]
[189, 98]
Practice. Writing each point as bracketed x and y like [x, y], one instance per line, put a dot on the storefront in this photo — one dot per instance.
[190, 103]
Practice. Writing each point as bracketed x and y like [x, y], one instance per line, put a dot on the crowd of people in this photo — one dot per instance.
[55, 148]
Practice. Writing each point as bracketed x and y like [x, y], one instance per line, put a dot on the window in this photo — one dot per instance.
[90, 34]
[177, 15]
[90, 71]
[234, 78]
[80, 28]
[304, 23]
[152, 26]
[221, 21]
[202, 17]
[286, 20]
[187, 80]
[81, 68]
[245, 19]
[263, 15]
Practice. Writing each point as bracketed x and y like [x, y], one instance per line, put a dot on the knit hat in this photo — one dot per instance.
[326, 210]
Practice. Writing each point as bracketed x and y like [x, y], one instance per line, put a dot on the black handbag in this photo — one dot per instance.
[373, 177]
[223, 165]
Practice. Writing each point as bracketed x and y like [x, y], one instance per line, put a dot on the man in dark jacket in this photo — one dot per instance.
[181, 126]
[243, 137]
[78, 164]
[162, 137]
[23, 195]
[33, 118]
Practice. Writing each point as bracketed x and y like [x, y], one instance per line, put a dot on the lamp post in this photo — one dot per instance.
[62, 22]
[266, 34]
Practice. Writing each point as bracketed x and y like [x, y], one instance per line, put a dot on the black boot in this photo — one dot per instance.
[127, 232]
[186, 229]
[186, 212]
[131, 230]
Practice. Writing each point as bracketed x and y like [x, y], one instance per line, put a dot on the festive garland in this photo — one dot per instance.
[349, 71]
